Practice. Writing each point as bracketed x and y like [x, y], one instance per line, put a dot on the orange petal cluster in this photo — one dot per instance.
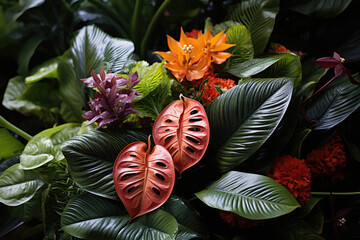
[190, 57]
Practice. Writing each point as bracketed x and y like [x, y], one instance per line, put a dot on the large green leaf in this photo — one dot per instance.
[27, 51]
[40, 100]
[243, 50]
[334, 104]
[18, 186]
[244, 117]
[90, 217]
[45, 146]
[91, 157]
[288, 66]
[28, 210]
[91, 49]
[249, 195]
[12, 144]
[254, 66]
[189, 222]
[13, 13]
[259, 17]
[322, 8]
[47, 69]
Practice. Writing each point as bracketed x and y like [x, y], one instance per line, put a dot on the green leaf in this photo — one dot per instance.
[244, 117]
[91, 49]
[255, 66]
[288, 66]
[90, 217]
[46, 70]
[91, 158]
[334, 104]
[45, 146]
[28, 210]
[259, 17]
[12, 144]
[8, 222]
[18, 186]
[6, 163]
[322, 8]
[151, 77]
[243, 50]
[189, 222]
[40, 99]
[251, 196]
[311, 75]
[155, 101]
[27, 51]
[304, 211]
[222, 26]
[17, 10]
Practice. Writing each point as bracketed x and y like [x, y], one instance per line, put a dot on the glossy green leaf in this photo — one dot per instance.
[243, 50]
[18, 186]
[91, 157]
[6, 163]
[27, 51]
[18, 9]
[8, 222]
[189, 222]
[322, 8]
[288, 66]
[46, 70]
[254, 66]
[40, 100]
[259, 17]
[45, 146]
[244, 117]
[222, 26]
[334, 104]
[251, 196]
[91, 49]
[90, 217]
[28, 210]
[12, 144]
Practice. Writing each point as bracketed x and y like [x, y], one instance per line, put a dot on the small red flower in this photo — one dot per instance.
[294, 174]
[235, 220]
[328, 162]
[193, 34]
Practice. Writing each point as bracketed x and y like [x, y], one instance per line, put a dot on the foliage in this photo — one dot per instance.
[147, 165]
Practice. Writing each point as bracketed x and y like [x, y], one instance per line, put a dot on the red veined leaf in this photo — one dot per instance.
[143, 180]
[183, 129]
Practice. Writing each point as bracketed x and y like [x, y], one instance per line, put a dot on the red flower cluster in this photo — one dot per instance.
[328, 161]
[278, 49]
[294, 174]
[193, 34]
[235, 220]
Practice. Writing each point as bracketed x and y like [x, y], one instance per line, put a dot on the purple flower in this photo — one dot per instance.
[112, 102]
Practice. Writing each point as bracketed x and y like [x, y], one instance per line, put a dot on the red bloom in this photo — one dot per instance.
[193, 34]
[294, 174]
[328, 161]
[214, 88]
[278, 49]
[235, 220]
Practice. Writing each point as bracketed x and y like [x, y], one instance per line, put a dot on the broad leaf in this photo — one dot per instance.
[183, 129]
[322, 8]
[91, 49]
[90, 217]
[47, 69]
[334, 104]
[18, 9]
[259, 17]
[27, 52]
[190, 223]
[143, 179]
[223, 26]
[244, 117]
[249, 195]
[254, 66]
[6, 163]
[40, 99]
[45, 146]
[18, 186]
[12, 144]
[28, 210]
[243, 50]
[288, 66]
[91, 157]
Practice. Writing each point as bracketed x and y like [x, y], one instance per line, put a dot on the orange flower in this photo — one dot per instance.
[190, 58]
[185, 58]
[214, 46]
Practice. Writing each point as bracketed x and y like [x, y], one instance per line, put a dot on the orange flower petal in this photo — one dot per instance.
[220, 57]
[222, 47]
[168, 56]
[174, 46]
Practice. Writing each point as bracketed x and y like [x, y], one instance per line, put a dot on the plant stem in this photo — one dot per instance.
[335, 193]
[135, 22]
[145, 41]
[4, 123]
